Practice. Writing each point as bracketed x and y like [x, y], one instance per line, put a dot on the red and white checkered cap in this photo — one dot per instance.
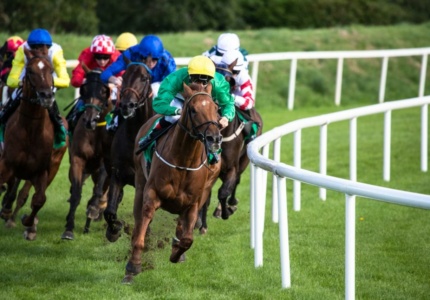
[102, 44]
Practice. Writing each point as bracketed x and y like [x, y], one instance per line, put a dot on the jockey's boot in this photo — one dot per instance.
[8, 110]
[60, 131]
[158, 130]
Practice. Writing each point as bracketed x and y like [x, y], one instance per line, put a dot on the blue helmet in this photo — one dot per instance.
[151, 45]
[39, 36]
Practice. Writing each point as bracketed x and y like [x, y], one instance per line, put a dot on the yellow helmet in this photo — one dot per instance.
[201, 65]
[125, 41]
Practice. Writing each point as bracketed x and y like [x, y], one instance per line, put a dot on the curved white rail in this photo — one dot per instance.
[351, 188]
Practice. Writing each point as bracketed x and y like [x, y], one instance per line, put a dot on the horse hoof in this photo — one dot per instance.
[68, 235]
[10, 223]
[128, 279]
[231, 209]
[29, 235]
[203, 231]
[93, 212]
[112, 236]
[217, 213]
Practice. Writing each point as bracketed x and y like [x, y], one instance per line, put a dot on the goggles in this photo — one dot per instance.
[102, 56]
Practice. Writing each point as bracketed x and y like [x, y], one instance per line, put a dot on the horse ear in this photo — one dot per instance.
[187, 90]
[209, 88]
[86, 69]
[232, 65]
[28, 53]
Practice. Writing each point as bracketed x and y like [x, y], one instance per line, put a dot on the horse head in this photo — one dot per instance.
[227, 72]
[136, 87]
[200, 116]
[38, 81]
[95, 95]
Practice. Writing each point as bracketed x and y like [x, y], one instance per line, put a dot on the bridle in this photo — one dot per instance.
[38, 98]
[141, 97]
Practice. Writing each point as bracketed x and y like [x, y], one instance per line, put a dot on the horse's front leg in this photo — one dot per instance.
[184, 234]
[94, 205]
[8, 200]
[115, 195]
[228, 185]
[40, 184]
[20, 200]
[144, 208]
[77, 167]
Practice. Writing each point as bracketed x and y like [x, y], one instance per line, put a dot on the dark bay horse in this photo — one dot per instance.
[180, 179]
[136, 108]
[89, 141]
[234, 159]
[29, 138]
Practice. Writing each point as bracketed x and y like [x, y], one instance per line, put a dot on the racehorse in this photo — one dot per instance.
[136, 108]
[233, 156]
[29, 138]
[89, 140]
[180, 177]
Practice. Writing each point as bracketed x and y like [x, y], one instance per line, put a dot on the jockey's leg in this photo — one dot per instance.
[59, 129]
[158, 130]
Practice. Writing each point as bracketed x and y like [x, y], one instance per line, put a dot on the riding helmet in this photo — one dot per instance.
[228, 41]
[125, 41]
[102, 44]
[230, 56]
[201, 65]
[39, 36]
[151, 45]
[13, 43]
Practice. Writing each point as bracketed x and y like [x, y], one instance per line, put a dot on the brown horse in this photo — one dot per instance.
[233, 156]
[29, 138]
[136, 108]
[89, 140]
[180, 177]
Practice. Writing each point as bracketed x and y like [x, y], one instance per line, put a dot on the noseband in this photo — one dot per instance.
[141, 97]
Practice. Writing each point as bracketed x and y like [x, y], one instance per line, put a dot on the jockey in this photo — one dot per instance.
[169, 101]
[241, 88]
[124, 41]
[7, 54]
[151, 52]
[100, 55]
[226, 41]
[39, 38]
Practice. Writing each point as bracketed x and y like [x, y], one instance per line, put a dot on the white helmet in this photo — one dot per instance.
[230, 56]
[228, 41]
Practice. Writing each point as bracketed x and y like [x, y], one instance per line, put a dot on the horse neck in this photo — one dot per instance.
[192, 151]
[32, 111]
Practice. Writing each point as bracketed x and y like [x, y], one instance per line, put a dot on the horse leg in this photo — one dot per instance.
[7, 202]
[110, 214]
[203, 213]
[184, 234]
[77, 165]
[143, 211]
[20, 200]
[226, 189]
[93, 206]
[39, 198]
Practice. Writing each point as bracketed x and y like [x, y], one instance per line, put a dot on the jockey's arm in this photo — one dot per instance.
[62, 80]
[13, 80]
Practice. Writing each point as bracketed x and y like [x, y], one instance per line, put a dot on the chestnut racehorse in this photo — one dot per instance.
[180, 177]
[29, 137]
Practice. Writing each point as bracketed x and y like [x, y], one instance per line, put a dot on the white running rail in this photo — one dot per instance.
[295, 57]
[261, 164]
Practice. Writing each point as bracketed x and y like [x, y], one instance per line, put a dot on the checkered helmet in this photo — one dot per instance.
[102, 44]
